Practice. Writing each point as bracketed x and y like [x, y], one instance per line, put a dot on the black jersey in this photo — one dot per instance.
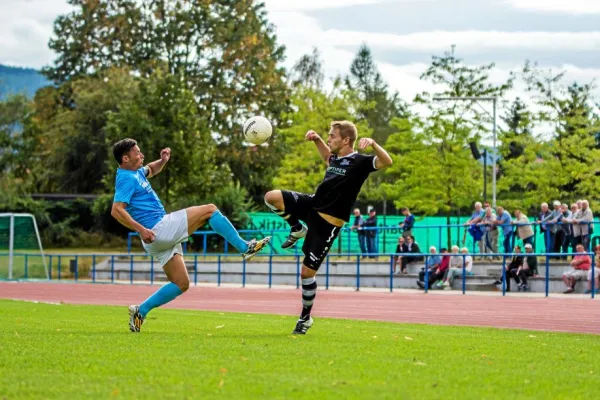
[344, 177]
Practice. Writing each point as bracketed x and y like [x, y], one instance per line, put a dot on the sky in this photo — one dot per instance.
[560, 35]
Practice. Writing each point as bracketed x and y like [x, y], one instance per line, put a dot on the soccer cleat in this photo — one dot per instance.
[302, 326]
[254, 246]
[135, 319]
[293, 237]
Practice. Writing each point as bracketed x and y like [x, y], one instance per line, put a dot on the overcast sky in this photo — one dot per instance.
[403, 34]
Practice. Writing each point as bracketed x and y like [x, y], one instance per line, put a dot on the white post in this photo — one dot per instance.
[11, 245]
[37, 233]
[494, 158]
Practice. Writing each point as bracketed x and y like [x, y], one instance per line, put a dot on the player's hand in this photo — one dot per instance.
[365, 142]
[165, 154]
[147, 236]
[312, 136]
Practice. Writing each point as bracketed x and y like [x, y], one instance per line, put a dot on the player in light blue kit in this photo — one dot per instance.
[137, 206]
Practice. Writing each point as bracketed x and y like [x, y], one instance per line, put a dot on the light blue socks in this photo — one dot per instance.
[223, 227]
[162, 296]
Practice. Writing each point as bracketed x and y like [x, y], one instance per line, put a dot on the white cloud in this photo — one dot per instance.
[558, 6]
[291, 5]
[467, 40]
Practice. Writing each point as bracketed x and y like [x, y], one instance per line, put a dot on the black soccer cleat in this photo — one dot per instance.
[293, 237]
[302, 326]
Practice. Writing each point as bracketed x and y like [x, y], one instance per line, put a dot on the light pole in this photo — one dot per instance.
[494, 101]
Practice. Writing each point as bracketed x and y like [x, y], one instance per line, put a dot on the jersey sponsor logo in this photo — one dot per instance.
[345, 162]
[146, 186]
[337, 171]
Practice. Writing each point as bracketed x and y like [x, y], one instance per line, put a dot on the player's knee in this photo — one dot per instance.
[272, 197]
[183, 284]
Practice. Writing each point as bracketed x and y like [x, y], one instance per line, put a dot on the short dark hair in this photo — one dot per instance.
[403, 209]
[121, 148]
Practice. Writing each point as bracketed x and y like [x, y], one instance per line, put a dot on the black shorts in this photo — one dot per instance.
[321, 234]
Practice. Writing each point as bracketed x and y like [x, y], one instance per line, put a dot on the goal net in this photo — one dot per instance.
[21, 252]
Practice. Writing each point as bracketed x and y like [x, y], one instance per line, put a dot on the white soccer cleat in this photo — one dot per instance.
[135, 319]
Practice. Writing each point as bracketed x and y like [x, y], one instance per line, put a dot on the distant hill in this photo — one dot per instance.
[15, 80]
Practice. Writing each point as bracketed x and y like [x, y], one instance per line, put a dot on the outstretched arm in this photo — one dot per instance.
[321, 145]
[155, 167]
[383, 158]
[120, 214]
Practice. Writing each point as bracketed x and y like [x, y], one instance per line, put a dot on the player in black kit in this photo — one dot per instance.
[326, 211]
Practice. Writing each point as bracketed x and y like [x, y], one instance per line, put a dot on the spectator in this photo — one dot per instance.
[476, 218]
[581, 263]
[512, 268]
[408, 223]
[491, 232]
[371, 233]
[543, 219]
[573, 228]
[524, 229]
[567, 229]
[554, 229]
[357, 226]
[504, 223]
[456, 268]
[410, 246]
[432, 262]
[400, 248]
[583, 220]
[528, 269]
[436, 274]
[596, 273]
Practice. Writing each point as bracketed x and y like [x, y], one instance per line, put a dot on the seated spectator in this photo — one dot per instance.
[596, 272]
[512, 268]
[528, 269]
[456, 268]
[432, 262]
[399, 251]
[581, 263]
[410, 246]
[435, 273]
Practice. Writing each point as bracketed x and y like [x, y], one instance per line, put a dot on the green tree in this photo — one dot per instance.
[377, 105]
[308, 71]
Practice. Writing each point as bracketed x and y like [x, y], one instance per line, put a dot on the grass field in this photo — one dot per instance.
[64, 351]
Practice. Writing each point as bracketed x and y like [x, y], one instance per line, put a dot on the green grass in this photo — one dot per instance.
[64, 351]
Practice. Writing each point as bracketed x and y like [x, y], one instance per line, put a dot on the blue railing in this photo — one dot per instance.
[436, 235]
[55, 262]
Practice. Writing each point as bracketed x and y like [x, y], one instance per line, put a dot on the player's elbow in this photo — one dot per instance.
[114, 212]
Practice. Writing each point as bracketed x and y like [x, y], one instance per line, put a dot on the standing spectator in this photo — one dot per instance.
[371, 234]
[491, 232]
[504, 222]
[476, 218]
[408, 223]
[581, 264]
[556, 233]
[596, 273]
[431, 263]
[584, 219]
[410, 247]
[400, 249]
[357, 226]
[524, 229]
[567, 229]
[528, 269]
[543, 219]
[436, 274]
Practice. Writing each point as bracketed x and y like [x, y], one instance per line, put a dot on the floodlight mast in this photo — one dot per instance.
[494, 101]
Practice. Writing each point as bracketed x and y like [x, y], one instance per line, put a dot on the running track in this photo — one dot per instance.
[573, 314]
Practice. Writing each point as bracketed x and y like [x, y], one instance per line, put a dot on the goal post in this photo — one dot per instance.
[19, 231]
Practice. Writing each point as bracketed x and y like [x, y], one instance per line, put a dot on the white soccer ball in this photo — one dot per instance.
[257, 130]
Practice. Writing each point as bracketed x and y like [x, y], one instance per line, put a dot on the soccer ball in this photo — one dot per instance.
[257, 130]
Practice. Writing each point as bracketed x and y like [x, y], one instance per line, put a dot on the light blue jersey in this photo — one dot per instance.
[143, 204]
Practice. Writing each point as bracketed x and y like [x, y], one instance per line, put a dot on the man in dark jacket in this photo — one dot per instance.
[410, 246]
[371, 234]
[529, 268]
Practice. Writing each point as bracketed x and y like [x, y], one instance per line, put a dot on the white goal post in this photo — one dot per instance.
[11, 240]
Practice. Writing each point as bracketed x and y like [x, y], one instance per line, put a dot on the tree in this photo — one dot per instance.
[226, 52]
[17, 140]
[378, 107]
[308, 71]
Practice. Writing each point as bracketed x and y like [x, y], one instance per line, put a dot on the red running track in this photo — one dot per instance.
[522, 312]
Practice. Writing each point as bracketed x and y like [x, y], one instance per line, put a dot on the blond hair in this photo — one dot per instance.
[346, 129]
